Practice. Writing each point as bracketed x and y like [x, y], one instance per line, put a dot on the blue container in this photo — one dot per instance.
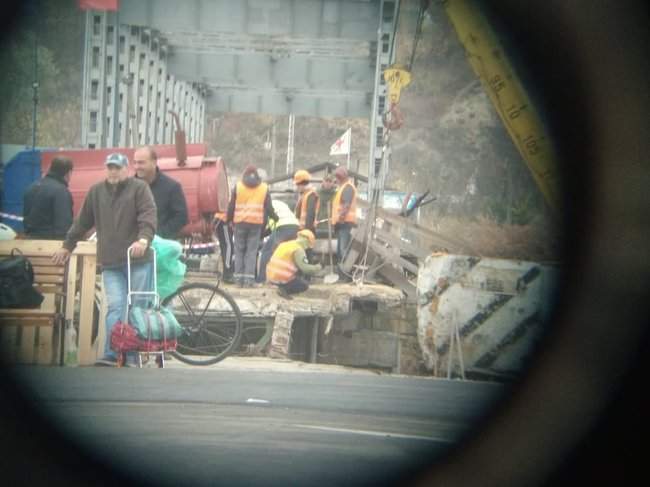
[21, 171]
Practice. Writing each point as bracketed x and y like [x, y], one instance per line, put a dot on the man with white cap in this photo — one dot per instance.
[123, 212]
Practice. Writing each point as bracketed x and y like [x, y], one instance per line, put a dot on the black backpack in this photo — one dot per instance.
[17, 283]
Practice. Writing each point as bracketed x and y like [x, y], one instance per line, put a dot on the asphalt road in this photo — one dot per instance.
[229, 426]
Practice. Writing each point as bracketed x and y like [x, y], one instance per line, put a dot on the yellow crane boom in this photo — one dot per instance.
[524, 125]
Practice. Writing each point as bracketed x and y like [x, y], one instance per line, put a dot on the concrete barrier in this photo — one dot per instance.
[480, 314]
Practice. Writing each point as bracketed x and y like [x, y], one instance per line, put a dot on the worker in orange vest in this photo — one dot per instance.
[224, 237]
[289, 263]
[309, 202]
[344, 212]
[248, 211]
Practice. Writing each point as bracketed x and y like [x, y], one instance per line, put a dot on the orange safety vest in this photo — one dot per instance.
[249, 205]
[281, 268]
[302, 204]
[351, 215]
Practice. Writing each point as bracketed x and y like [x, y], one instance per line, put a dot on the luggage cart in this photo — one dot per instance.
[148, 346]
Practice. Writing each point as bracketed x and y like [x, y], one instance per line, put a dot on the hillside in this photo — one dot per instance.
[452, 143]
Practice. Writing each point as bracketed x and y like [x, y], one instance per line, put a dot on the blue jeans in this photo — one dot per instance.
[343, 239]
[115, 287]
[247, 241]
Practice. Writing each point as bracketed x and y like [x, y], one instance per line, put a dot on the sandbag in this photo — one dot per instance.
[154, 324]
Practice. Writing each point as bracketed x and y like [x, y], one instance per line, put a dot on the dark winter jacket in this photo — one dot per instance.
[170, 205]
[47, 208]
[121, 214]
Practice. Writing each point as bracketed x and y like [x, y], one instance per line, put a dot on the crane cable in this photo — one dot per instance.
[392, 120]
[424, 5]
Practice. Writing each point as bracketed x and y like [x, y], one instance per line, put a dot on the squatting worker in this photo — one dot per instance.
[344, 212]
[309, 202]
[249, 210]
[289, 263]
[47, 203]
[167, 193]
[123, 212]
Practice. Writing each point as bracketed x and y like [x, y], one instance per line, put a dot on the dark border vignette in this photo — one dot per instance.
[576, 413]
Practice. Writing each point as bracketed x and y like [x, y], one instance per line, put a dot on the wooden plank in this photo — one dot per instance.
[47, 308]
[398, 279]
[57, 343]
[100, 339]
[390, 257]
[9, 343]
[45, 346]
[71, 289]
[432, 238]
[13, 321]
[41, 270]
[49, 288]
[87, 297]
[48, 279]
[25, 313]
[27, 345]
[30, 247]
[43, 262]
[402, 245]
[86, 248]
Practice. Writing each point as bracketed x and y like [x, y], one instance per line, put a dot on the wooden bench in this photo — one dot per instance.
[35, 336]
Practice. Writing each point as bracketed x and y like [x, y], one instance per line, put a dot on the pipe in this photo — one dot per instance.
[179, 140]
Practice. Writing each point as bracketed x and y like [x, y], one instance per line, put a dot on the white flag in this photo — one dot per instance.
[342, 145]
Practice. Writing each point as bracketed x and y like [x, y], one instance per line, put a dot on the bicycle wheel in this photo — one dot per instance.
[211, 323]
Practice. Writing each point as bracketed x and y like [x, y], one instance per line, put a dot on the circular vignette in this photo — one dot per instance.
[569, 420]
[578, 408]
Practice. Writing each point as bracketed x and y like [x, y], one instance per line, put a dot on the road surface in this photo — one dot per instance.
[286, 424]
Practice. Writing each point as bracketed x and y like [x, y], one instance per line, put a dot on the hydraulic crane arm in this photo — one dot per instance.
[491, 65]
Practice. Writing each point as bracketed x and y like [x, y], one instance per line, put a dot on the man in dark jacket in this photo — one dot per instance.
[47, 204]
[167, 193]
[249, 210]
[123, 212]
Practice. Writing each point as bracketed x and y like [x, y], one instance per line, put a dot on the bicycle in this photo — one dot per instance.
[211, 321]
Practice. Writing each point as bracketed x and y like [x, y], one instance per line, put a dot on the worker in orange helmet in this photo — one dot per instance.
[309, 203]
[289, 263]
[344, 212]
